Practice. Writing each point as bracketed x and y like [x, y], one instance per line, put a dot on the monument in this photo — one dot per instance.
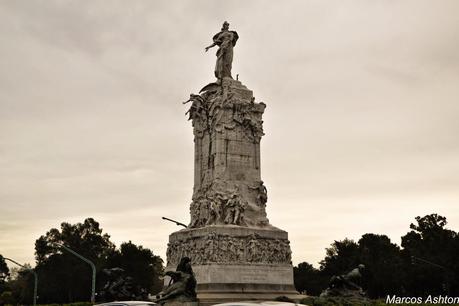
[235, 252]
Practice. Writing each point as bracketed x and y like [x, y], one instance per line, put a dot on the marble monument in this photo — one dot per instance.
[234, 250]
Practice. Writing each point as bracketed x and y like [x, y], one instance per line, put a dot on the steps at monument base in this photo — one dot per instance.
[208, 299]
[211, 294]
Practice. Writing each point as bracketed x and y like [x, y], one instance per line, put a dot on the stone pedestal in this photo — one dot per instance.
[236, 263]
[235, 253]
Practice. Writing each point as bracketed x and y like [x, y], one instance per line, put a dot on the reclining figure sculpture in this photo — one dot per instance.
[182, 287]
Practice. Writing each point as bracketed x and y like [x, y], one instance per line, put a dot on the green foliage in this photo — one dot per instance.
[79, 304]
[308, 279]
[20, 285]
[389, 269]
[382, 265]
[430, 242]
[139, 263]
[4, 271]
[65, 278]
[84, 238]
[340, 256]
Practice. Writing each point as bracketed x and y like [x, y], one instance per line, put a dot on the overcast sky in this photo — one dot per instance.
[362, 118]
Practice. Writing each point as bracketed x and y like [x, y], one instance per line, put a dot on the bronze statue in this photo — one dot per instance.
[120, 287]
[226, 40]
[346, 285]
[182, 287]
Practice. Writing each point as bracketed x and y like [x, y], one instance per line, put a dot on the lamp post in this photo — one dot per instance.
[35, 286]
[93, 267]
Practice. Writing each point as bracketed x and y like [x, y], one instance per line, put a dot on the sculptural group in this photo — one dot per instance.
[346, 285]
[119, 286]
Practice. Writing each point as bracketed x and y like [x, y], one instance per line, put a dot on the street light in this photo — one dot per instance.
[35, 286]
[93, 267]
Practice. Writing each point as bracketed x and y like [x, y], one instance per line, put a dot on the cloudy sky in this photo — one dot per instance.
[362, 128]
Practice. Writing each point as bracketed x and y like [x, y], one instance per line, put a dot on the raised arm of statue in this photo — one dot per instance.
[211, 46]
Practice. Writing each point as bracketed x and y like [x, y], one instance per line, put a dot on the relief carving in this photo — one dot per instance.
[218, 108]
[224, 249]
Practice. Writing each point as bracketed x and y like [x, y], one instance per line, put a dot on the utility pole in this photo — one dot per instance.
[35, 286]
[93, 267]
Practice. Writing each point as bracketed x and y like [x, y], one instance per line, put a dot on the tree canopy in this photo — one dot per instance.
[4, 271]
[140, 262]
[65, 278]
[425, 264]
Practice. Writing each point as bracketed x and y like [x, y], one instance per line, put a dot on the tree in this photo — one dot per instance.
[24, 285]
[383, 265]
[308, 279]
[389, 269]
[19, 288]
[430, 257]
[139, 263]
[63, 277]
[340, 257]
[6, 297]
[4, 273]
[84, 238]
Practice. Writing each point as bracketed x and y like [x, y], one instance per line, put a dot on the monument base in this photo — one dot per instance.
[210, 299]
[235, 263]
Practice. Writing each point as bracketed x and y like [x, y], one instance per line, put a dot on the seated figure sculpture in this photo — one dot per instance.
[345, 285]
[182, 287]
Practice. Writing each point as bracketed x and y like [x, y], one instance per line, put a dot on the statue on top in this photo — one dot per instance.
[226, 40]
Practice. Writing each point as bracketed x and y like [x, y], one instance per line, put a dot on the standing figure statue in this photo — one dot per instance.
[235, 210]
[262, 193]
[226, 40]
[214, 213]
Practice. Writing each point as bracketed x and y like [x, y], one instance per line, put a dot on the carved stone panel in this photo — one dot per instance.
[228, 249]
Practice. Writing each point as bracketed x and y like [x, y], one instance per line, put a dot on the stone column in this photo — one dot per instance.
[235, 252]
